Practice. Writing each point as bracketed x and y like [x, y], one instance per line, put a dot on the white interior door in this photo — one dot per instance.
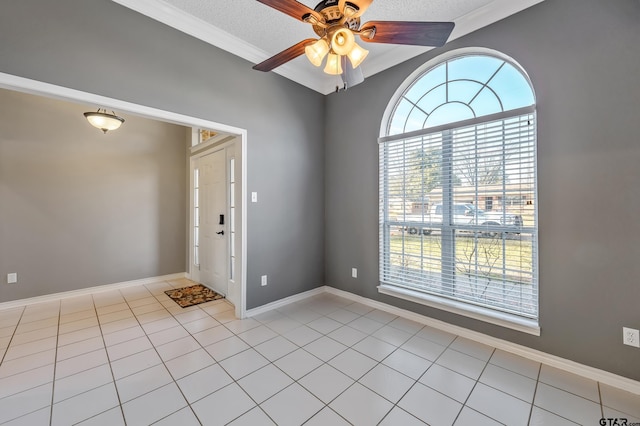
[213, 247]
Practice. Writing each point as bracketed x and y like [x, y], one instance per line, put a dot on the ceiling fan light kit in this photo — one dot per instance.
[342, 43]
[337, 22]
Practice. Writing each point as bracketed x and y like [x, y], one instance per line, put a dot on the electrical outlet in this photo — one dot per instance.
[354, 272]
[631, 337]
[12, 278]
[263, 280]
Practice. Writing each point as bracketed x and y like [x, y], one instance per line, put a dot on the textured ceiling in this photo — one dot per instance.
[273, 31]
[255, 32]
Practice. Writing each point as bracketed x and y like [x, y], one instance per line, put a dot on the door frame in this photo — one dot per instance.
[35, 87]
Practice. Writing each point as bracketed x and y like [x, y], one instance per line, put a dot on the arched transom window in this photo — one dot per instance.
[459, 89]
[458, 210]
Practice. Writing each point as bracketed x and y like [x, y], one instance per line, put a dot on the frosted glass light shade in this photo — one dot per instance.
[103, 120]
[316, 52]
[333, 66]
[357, 55]
[342, 41]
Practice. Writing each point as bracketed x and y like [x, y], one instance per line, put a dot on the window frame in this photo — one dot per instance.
[505, 319]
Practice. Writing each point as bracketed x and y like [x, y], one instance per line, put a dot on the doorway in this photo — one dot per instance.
[239, 136]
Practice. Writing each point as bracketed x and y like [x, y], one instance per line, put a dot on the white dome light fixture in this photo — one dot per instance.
[104, 121]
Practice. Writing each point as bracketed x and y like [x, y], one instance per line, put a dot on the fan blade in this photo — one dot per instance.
[284, 56]
[350, 76]
[406, 32]
[292, 8]
[363, 5]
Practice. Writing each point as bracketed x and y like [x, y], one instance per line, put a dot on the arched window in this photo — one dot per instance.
[458, 211]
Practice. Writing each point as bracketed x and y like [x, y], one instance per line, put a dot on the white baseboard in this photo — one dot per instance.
[90, 290]
[592, 373]
[286, 301]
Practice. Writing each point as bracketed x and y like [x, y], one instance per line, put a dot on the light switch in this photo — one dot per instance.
[254, 197]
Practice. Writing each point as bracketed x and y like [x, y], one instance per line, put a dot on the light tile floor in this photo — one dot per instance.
[135, 357]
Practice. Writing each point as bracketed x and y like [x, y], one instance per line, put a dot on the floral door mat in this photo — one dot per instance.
[193, 295]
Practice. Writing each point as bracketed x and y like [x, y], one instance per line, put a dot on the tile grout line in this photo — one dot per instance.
[55, 364]
[464, 404]
[108, 362]
[12, 336]
[600, 398]
[535, 391]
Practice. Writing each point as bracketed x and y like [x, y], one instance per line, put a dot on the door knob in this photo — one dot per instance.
[221, 232]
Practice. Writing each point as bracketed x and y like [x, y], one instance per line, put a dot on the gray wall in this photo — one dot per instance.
[79, 208]
[101, 47]
[584, 60]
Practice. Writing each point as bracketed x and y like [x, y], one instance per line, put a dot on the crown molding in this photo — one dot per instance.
[318, 81]
[195, 27]
[489, 14]
[465, 24]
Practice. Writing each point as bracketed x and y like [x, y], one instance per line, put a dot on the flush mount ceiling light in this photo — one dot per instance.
[337, 22]
[104, 121]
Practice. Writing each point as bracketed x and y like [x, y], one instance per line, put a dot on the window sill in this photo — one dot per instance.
[483, 314]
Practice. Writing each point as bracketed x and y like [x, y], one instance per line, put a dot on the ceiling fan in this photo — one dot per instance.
[337, 22]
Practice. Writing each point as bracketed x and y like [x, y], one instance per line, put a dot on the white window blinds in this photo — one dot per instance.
[458, 212]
